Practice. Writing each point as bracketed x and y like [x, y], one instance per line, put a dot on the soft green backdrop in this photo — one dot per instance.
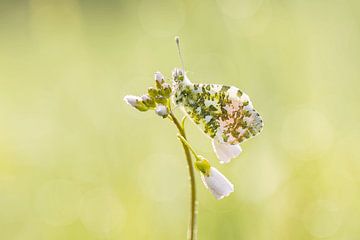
[77, 163]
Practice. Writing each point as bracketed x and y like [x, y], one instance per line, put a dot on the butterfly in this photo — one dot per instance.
[224, 113]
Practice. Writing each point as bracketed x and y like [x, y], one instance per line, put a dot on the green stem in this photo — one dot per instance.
[192, 230]
[184, 141]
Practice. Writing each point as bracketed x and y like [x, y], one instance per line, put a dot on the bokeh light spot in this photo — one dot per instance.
[307, 131]
[162, 18]
[57, 202]
[161, 177]
[239, 9]
[322, 219]
[102, 211]
[259, 178]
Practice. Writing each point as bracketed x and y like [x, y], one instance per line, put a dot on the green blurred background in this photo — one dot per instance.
[76, 162]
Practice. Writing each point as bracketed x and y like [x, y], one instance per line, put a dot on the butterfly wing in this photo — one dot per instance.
[223, 112]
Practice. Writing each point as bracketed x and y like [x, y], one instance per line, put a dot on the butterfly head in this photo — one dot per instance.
[179, 78]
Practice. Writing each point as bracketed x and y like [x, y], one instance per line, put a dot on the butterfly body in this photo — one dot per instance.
[223, 112]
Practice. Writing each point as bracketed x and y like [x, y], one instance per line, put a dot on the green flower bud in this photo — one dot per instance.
[159, 78]
[148, 101]
[136, 102]
[153, 92]
[166, 91]
[161, 100]
[202, 165]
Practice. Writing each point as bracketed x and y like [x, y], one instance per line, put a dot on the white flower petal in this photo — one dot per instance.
[225, 151]
[217, 184]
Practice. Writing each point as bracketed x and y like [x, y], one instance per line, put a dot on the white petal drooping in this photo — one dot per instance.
[217, 184]
[225, 151]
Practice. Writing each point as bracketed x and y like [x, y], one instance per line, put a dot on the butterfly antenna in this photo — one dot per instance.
[177, 40]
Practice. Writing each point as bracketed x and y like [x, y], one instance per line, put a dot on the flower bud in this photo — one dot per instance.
[161, 110]
[161, 100]
[152, 92]
[166, 91]
[136, 102]
[159, 78]
[148, 101]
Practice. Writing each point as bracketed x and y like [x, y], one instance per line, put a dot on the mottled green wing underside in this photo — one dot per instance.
[221, 111]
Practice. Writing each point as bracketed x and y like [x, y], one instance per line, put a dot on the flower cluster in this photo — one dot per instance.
[157, 98]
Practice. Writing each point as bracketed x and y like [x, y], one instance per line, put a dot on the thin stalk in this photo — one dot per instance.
[184, 141]
[192, 230]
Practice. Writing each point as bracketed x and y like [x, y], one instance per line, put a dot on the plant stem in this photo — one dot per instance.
[192, 230]
[183, 140]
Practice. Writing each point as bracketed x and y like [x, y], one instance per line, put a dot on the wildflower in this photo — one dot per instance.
[213, 180]
[217, 183]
